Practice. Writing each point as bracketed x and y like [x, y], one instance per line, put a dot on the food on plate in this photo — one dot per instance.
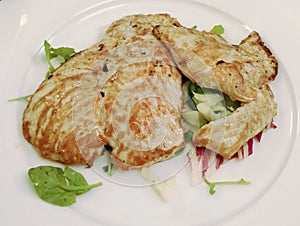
[210, 61]
[227, 135]
[139, 114]
[133, 91]
[78, 111]
[241, 72]
[212, 185]
[59, 186]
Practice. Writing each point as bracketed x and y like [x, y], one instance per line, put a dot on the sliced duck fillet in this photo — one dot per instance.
[210, 61]
[241, 71]
[139, 112]
[60, 120]
[225, 136]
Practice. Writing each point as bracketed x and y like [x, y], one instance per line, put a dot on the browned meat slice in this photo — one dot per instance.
[60, 120]
[225, 136]
[210, 61]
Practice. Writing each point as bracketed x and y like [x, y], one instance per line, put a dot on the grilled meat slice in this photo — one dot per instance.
[225, 136]
[210, 61]
[60, 119]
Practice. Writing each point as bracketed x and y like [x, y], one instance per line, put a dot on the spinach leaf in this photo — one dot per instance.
[76, 179]
[57, 186]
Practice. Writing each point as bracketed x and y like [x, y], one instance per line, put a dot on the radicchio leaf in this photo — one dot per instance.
[204, 162]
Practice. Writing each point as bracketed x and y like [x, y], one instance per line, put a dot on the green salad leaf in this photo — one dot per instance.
[194, 88]
[178, 153]
[110, 168]
[211, 105]
[49, 56]
[23, 98]
[213, 184]
[63, 53]
[57, 186]
[188, 136]
[218, 29]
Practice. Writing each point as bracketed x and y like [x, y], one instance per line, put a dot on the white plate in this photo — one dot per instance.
[141, 206]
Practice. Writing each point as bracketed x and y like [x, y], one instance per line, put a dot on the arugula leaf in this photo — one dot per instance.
[63, 53]
[49, 56]
[23, 98]
[217, 29]
[194, 27]
[213, 184]
[57, 186]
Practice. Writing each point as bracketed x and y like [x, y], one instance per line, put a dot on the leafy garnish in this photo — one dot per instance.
[188, 136]
[110, 168]
[217, 29]
[211, 104]
[194, 88]
[61, 54]
[194, 27]
[213, 184]
[178, 153]
[23, 98]
[57, 186]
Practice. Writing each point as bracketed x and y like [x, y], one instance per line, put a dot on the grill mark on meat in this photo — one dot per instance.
[54, 137]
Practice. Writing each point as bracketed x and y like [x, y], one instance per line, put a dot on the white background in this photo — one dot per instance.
[277, 20]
